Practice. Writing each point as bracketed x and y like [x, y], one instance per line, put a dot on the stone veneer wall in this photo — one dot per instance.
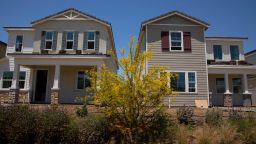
[4, 96]
[23, 96]
[228, 100]
[55, 93]
[14, 96]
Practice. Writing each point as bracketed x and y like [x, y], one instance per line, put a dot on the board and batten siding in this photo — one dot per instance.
[180, 61]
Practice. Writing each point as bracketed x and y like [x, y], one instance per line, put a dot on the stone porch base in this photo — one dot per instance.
[55, 94]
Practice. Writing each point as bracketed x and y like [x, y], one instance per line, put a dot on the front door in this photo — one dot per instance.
[41, 83]
[237, 96]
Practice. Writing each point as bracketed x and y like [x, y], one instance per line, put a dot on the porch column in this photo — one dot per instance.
[227, 95]
[14, 90]
[245, 84]
[227, 84]
[55, 90]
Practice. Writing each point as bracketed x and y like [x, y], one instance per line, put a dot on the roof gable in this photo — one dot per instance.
[176, 13]
[70, 14]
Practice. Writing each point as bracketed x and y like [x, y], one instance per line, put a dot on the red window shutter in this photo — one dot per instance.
[187, 41]
[165, 40]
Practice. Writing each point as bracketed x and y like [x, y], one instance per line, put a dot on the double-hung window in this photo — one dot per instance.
[176, 41]
[234, 52]
[83, 80]
[220, 85]
[19, 43]
[70, 40]
[184, 82]
[91, 40]
[237, 85]
[7, 79]
[48, 40]
[217, 52]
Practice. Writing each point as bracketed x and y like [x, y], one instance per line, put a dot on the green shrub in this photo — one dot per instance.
[214, 117]
[234, 115]
[185, 114]
[95, 130]
[82, 112]
[52, 125]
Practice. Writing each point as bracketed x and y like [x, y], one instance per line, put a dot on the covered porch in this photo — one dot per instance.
[53, 81]
[229, 86]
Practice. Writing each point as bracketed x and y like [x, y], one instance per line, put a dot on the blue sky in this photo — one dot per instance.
[227, 17]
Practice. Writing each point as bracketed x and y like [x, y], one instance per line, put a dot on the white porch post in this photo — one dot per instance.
[245, 84]
[15, 78]
[56, 77]
[227, 84]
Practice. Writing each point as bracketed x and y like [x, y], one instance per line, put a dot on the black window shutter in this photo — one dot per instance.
[165, 41]
[54, 43]
[97, 41]
[75, 40]
[42, 46]
[64, 37]
[85, 41]
[187, 41]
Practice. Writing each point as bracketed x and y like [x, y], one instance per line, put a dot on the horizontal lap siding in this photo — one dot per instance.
[181, 61]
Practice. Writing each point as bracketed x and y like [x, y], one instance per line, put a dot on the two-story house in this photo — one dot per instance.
[212, 71]
[177, 41]
[49, 61]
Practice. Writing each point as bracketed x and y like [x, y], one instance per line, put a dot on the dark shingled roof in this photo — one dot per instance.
[251, 52]
[225, 37]
[3, 43]
[173, 12]
[33, 22]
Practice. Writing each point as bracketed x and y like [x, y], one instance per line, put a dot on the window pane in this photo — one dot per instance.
[91, 35]
[234, 50]
[18, 45]
[7, 84]
[21, 84]
[80, 80]
[191, 76]
[176, 36]
[90, 45]
[70, 35]
[22, 75]
[176, 43]
[49, 35]
[178, 83]
[220, 85]
[69, 45]
[217, 51]
[176, 48]
[48, 45]
[8, 75]
[87, 81]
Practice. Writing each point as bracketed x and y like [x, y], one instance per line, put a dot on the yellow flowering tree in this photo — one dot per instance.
[132, 99]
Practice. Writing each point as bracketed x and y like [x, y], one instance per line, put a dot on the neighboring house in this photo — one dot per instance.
[250, 57]
[210, 70]
[177, 41]
[2, 49]
[48, 62]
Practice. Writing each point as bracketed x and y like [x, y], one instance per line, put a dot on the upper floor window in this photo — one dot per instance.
[83, 80]
[176, 41]
[184, 82]
[91, 40]
[220, 85]
[70, 40]
[19, 43]
[48, 40]
[217, 52]
[234, 52]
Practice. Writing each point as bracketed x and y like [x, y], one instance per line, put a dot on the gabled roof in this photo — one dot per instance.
[250, 52]
[186, 16]
[67, 10]
[3, 43]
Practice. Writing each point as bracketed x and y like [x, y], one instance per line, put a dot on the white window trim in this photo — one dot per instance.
[238, 51]
[70, 40]
[91, 40]
[2, 80]
[170, 42]
[21, 43]
[221, 51]
[48, 40]
[186, 81]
